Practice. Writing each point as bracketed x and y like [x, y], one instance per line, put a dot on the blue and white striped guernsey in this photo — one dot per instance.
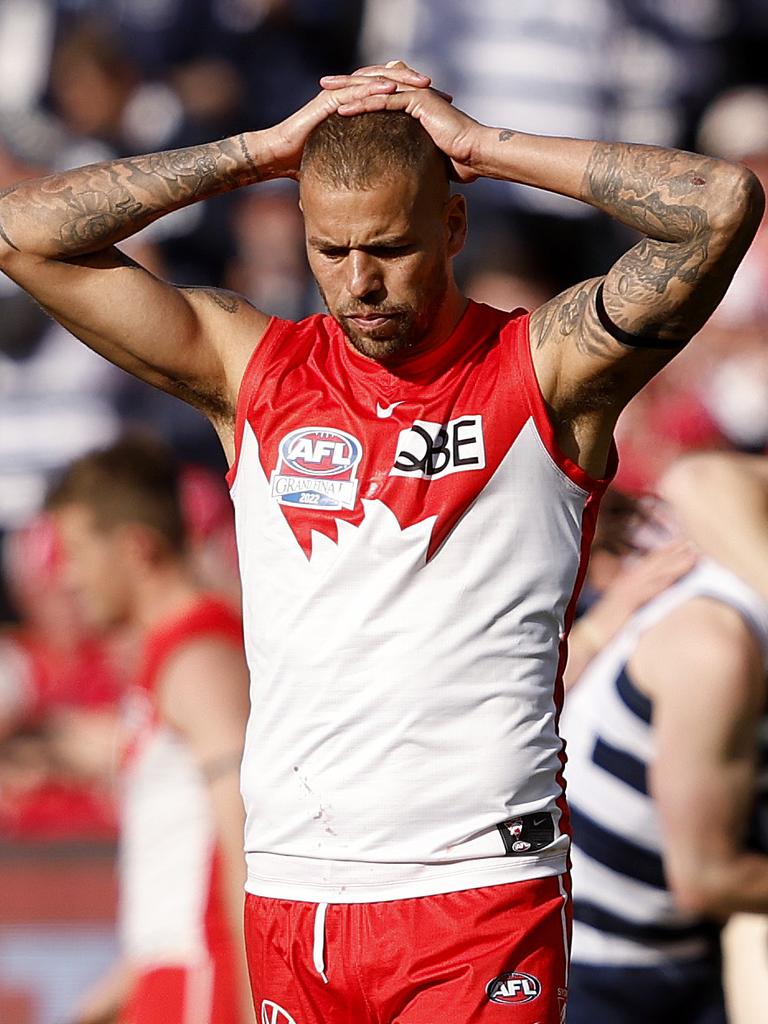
[624, 914]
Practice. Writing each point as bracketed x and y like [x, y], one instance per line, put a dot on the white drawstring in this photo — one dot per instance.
[318, 947]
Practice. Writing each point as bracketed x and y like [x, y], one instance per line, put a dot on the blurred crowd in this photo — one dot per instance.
[85, 80]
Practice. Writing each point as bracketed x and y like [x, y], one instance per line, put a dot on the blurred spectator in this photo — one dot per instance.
[26, 33]
[269, 266]
[92, 82]
[54, 393]
[735, 388]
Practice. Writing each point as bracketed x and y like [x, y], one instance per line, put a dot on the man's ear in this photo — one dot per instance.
[456, 224]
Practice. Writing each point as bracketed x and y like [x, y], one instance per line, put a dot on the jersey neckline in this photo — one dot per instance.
[427, 365]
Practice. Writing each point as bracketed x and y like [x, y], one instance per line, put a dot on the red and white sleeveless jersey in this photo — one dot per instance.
[171, 911]
[410, 543]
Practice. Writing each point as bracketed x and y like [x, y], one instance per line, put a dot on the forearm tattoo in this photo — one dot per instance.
[92, 207]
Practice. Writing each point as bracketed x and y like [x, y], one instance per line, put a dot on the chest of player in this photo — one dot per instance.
[326, 445]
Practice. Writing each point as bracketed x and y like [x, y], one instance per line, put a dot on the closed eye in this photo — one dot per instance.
[389, 251]
[381, 252]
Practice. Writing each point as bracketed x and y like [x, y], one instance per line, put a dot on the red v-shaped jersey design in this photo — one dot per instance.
[334, 427]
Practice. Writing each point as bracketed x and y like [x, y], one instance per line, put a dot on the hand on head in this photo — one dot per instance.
[286, 140]
[402, 88]
[392, 86]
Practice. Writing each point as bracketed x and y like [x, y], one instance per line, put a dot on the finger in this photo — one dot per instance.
[337, 82]
[365, 104]
[360, 90]
[347, 82]
[406, 81]
[397, 66]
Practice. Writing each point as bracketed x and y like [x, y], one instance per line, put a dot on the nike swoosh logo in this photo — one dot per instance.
[385, 411]
[540, 821]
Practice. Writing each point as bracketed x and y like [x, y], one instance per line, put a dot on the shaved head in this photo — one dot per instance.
[358, 153]
[382, 228]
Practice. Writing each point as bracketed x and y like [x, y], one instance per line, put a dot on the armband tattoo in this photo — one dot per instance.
[645, 340]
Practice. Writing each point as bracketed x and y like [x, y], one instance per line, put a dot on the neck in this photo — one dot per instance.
[449, 314]
[162, 592]
[442, 327]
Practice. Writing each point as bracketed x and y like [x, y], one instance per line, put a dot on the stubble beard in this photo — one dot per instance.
[408, 329]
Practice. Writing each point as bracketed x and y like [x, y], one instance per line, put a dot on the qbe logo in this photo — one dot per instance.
[271, 1013]
[431, 450]
[513, 987]
[317, 468]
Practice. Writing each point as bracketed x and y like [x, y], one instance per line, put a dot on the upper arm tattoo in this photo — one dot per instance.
[695, 212]
[698, 215]
[572, 316]
[230, 302]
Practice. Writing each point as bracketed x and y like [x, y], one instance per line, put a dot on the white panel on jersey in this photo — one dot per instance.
[403, 708]
[166, 854]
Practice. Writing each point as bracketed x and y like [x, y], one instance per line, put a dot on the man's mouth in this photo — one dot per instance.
[369, 322]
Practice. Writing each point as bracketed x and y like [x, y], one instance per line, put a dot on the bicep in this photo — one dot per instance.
[702, 666]
[601, 341]
[203, 694]
[583, 371]
[170, 337]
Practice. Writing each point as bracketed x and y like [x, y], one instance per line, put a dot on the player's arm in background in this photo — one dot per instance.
[640, 580]
[203, 693]
[721, 499]
[58, 236]
[702, 668]
[595, 345]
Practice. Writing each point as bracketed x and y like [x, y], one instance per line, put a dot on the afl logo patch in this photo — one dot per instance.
[317, 468]
[513, 987]
[271, 1013]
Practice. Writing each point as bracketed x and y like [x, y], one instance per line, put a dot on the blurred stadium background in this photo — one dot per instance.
[82, 80]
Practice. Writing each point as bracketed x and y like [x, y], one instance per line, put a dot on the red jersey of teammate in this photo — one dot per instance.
[173, 921]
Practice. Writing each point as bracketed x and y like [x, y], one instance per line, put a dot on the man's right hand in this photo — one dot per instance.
[285, 142]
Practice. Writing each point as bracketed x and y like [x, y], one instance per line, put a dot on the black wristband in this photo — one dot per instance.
[633, 340]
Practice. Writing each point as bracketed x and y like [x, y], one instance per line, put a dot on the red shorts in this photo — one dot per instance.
[498, 953]
[204, 994]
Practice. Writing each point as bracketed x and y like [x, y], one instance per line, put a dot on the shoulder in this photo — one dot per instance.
[286, 341]
[203, 684]
[208, 618]
[703, 645]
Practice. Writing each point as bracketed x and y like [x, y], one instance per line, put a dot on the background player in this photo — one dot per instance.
[181, 869]
[664, 758]
[482, 433]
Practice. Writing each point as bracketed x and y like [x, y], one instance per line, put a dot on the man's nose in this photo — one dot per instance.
[364, 275]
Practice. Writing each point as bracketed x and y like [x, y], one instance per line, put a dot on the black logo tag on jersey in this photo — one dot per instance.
[527, 833]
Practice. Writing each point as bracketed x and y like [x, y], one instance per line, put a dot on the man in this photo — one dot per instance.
[415, 480]
[181, 872]
[664, 759]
